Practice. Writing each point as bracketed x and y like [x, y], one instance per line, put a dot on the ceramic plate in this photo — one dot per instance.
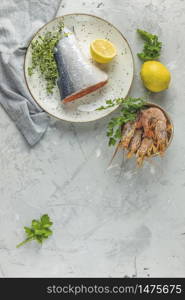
[120, 70]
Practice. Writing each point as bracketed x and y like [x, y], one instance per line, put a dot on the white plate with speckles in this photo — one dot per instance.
[120, 70]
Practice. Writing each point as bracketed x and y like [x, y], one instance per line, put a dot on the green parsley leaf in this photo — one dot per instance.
[128, 113]
[152, 46]
[39, 230]
[112, 141]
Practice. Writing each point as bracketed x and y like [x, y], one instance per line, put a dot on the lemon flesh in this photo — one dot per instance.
[156, 77]
[102, 51]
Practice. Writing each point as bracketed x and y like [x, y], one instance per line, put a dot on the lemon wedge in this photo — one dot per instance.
[102, 51]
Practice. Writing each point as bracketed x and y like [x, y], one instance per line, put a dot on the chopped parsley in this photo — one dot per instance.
[43, 57]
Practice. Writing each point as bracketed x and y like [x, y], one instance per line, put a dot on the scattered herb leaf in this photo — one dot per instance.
[43, 57]
[128, 113]
[39, 230]
[152, 46]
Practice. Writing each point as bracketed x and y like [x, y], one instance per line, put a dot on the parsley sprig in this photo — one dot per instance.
[43, 56]
[128, 113]
[39, 230]
[152, 46]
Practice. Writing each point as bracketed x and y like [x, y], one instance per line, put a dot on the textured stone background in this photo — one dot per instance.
[107, 222]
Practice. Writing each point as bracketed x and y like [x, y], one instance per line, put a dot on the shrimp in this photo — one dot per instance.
[135, 142]
[154, 124]
[144, 150]
[148, 135]
[161, 136]
[127, 134]
[148, 119]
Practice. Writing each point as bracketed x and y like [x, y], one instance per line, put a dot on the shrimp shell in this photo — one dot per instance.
[148, 119]
[161, 136]
[135, 142]
[144, 150]
[127, 134]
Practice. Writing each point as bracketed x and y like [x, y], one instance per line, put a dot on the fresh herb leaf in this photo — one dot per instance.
[152, 46]
[39, 230]
[43, 57]
[112, 141]
[126, 103]
[128, 113]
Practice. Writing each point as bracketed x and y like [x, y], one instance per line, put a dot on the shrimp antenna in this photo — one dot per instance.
[114, 154]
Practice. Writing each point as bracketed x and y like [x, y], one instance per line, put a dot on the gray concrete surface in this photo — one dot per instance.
[107, 221]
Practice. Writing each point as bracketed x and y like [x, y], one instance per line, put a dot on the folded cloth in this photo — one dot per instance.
[19, 19]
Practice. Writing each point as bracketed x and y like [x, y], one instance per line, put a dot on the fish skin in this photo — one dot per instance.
[77, 76]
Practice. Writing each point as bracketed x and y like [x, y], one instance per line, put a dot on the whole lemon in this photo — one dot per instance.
[156, 77]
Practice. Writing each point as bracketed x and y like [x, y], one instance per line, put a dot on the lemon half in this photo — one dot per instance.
[156, 77]
[102, 51]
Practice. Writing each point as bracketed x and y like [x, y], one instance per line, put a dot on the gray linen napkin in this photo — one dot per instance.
[19, 19]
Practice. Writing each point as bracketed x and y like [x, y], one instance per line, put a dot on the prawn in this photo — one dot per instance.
[135, 142]
[148, 119]
[144, 150]
[161, 136]
[148, 135]
[127, 134]
[154, 124]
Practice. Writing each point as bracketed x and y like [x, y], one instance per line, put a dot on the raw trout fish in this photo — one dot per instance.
[77, 76]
